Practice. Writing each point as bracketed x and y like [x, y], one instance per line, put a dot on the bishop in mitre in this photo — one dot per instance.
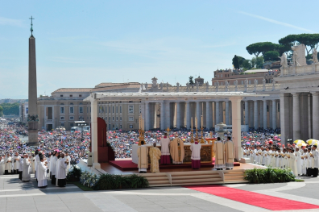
[229, 153]
[142, 153]
[177, 150]
[155, 155]
[219, 154]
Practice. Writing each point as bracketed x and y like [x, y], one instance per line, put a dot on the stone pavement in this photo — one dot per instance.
[18, 196]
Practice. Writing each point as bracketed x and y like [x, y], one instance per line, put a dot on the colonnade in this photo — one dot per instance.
[256, 113]
[300, 117]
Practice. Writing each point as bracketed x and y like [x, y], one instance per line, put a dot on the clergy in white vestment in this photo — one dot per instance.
[315, 154]
[298, 160]
[20, 170]
[53, 168]
[165, 153]
[8, 164]
[50, 164]
[61, 177]
[42, 172]
[142, 153]
[26, 168]
[36, 162]
[229, 153]
[32, 164]
[68, 160]
[1, 165]
[15, 162]
[195, 148]
[293, 162]
[219, 154]
[57, 168]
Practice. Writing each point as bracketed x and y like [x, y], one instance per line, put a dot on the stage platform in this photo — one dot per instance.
[128, 165]
[186, 175]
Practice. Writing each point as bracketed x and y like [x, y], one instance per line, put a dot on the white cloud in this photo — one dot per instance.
[11, 22]
[276, 22]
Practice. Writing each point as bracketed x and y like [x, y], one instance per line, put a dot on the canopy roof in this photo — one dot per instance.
[256, 71]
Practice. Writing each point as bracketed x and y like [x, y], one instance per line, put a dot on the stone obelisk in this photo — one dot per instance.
[33, 109]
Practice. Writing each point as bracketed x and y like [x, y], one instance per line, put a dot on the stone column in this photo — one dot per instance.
[227, 112]
[296, 116]
[217, 112]
[265, 114]
[256, 114]
[168, 115]
[147, 116]
[246, 113]
[198, 114]
[178, 115]
[274, 114]
[94, 125]
[162, 115]
[32, 96]
[236, 126]
[315, 115]
[188, 115]
[208, 114]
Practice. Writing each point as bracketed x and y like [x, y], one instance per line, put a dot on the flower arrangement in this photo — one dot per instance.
[88, 179]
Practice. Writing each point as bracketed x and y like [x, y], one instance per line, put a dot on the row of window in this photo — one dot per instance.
[115, 109]
[131, 118]
[71, 95]
[71, 110]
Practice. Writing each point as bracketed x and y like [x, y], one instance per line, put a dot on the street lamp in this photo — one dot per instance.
[81, 124]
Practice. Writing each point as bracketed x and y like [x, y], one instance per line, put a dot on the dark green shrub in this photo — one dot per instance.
[109, 181]
[269, 175]
[74, 174]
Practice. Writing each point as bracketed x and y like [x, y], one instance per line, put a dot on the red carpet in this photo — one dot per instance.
[252, 198]
[128, 165]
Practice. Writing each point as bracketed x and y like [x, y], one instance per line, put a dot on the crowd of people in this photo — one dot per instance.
[301, 158]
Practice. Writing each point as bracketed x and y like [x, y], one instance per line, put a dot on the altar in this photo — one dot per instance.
[206, 153]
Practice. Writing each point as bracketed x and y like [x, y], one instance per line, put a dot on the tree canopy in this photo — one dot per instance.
[1, 111]
[191, 81]
[271, 55]
[10, 108]
[261, 47]
[309, 40]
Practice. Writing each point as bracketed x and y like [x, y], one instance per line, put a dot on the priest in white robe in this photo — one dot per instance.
[229, 153]
[219, 154]
[61, 177]
[42, 173]
[68, 160]
[142, 153]
[16, 160]
[20, 169]
[2, 165]
[57, 168]
[299, 161]
[53, 168]
[195, 148]
[26, 168]
[8, 164]
[165, 153]
[36, 162]
[315, 154]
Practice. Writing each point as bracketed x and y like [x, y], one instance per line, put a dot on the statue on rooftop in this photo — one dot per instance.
[315, 55]
[283, 60]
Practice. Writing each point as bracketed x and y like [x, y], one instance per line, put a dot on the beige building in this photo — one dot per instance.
[66, 105]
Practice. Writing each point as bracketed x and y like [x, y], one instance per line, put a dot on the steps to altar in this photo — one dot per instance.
[194, 178]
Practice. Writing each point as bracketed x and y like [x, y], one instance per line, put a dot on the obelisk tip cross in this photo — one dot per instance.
[31, 25]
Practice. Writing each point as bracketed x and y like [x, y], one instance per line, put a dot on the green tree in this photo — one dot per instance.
[235, 62]
[246, 65]
[309, 40]
[260, 62]
[191, 81]
[271, 55]
[10, 108]
[1, 111]
[261, 47]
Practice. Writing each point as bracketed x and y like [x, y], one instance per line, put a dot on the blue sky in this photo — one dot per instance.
[83, 43]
